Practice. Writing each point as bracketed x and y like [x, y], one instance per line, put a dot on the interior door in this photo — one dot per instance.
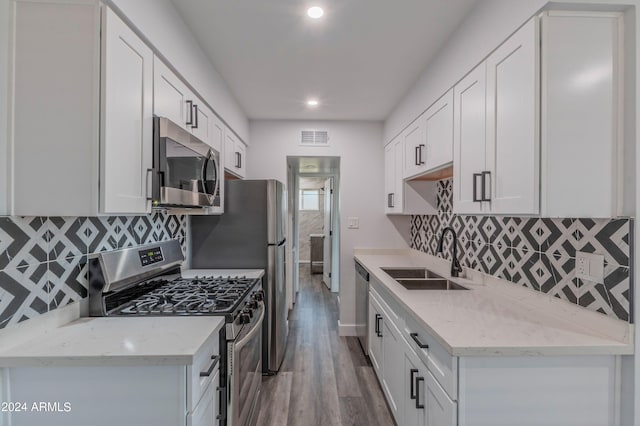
[328, 232]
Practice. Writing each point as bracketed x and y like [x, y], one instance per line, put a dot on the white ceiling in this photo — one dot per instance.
[359, 60]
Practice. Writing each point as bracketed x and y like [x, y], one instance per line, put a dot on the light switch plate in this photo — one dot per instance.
[590, 266]
[354, 222]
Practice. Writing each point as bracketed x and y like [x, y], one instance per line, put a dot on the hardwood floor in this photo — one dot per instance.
[325, 379]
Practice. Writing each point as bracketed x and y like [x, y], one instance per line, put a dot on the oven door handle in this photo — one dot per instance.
[256, 328]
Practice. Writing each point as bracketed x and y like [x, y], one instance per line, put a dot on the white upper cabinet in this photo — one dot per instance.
[170, 95]
[513, 137]
[235, 155]
[582, 111]
[126, 144]
[496, 137]
[469, 141]
[54, 110]
[439, 133]
[414, 141]
[428, 141]
[394, 166]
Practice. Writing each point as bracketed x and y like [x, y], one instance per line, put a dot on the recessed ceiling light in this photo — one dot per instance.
[315, 12]
[312, 103]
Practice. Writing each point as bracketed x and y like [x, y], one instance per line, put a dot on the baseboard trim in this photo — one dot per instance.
[347, 329]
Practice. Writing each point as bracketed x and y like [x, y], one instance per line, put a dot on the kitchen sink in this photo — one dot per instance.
[398, 273]
[430, 284]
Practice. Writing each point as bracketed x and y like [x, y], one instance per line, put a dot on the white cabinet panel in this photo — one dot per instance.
[54, 110]
[394, 166]
[440, 410]
[202, 126]
[413, 406]
[513, 125]
[375, 336]
[235, 154]
[126, 148]
[439, 133]
[170, 95]
[414, 141]
[392, 368]
[581, 110]
[206, 411]
[469, 136]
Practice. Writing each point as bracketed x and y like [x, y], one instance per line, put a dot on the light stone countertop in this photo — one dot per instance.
[495, 317]
[117, 341]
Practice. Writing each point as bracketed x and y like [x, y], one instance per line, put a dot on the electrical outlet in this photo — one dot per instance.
[590, 267]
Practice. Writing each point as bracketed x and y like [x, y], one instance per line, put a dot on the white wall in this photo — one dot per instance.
[361, 185]
[159, 21]
[486, 26]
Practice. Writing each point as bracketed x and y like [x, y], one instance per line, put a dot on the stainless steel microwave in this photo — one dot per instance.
[186, 169]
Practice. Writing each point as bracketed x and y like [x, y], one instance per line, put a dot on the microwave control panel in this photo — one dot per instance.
[150, 256]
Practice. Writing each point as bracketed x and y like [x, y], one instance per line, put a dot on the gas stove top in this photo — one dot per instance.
[180, 296]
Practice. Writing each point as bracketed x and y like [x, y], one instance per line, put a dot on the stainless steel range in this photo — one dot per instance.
[146, 281]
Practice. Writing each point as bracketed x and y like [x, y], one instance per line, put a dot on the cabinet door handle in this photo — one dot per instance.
[416, 155]
[412, 373]
[195, 115]
[476, 199]
[146, 176]
[239, 160]
[393, 199]
[420, 160]
[389, 200]
[421, 345]
[190, 110]
[486, 175]
[378, 331]
[418, 380]
[214, 362]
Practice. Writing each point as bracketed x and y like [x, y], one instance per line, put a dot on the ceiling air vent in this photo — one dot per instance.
[314, 138]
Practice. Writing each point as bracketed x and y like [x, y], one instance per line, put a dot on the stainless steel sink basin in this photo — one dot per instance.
[430, 284]
[398, 273]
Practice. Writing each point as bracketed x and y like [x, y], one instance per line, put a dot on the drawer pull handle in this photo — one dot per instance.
[418, 380]
[421, 345]
[378, 331]
[412, 373]
[214, 362]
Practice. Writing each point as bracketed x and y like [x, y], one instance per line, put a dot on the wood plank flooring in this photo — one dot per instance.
[325, 379]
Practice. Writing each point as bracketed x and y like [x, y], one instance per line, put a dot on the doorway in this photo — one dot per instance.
[314, 220]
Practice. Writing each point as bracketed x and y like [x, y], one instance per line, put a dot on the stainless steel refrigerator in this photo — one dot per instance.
[250, 235]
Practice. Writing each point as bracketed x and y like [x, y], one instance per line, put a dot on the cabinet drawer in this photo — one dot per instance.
[390, 308]
[440, 363]
[201, 373]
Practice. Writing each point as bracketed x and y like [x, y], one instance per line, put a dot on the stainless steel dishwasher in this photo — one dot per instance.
[362, 306]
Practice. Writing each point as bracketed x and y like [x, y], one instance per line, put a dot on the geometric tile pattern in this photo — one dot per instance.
[43, 260]
[538, 253]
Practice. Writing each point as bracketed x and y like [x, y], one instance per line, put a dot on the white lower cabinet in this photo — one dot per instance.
[142, 394]
[375, 336]
[427, 386]
[392, 367]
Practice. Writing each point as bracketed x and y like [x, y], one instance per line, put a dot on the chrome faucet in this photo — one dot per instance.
[455, 265]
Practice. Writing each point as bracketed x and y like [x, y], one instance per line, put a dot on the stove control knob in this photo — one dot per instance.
[245, 318]
[259, 295]
[248, 311]
[252, 304]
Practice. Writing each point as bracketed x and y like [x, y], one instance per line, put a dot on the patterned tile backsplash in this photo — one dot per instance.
[537, 253]
[43, 260]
